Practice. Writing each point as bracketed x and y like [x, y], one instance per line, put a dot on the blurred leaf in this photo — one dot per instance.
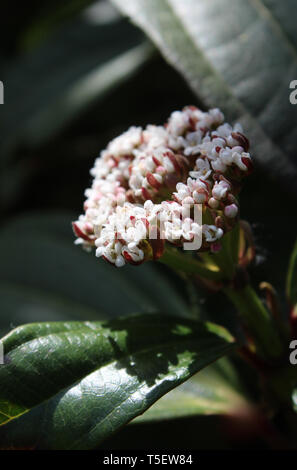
[214, 390]
[292, 277]
[42, 268]
[95, 376]
[34, 22]
[237, 55]
[23, 304]
[47, 89]
[51, 15]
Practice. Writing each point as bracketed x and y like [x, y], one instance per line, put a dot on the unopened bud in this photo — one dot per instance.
[231, 211]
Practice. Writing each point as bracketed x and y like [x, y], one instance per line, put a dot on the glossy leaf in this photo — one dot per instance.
[214, 390]
[238, 55]
[84, 380]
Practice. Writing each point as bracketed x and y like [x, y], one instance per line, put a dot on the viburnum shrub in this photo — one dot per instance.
[141, 207]
[167, 317]
[169, 194]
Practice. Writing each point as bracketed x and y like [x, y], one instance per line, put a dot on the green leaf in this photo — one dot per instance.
[214, 390]
[239, 55]
[292, 277]
[45, 277]
[84, 380]
[52, 15]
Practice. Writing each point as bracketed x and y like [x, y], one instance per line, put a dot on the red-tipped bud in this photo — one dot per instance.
[242, 140]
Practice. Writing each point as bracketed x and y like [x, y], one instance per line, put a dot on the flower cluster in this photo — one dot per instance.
[147, 182]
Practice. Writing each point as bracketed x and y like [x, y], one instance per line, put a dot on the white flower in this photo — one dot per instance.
[147, 181]
[202, 169]
[125, 143]
[212, 233]
[220, 190]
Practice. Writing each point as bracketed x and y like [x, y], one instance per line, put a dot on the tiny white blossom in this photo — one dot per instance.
[147, 182]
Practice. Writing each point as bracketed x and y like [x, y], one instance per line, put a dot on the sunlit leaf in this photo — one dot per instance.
[214, 390]
[83, 381]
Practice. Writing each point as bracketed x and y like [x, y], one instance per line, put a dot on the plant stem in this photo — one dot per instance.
[182, 262]
[269, 341]
[258, 320]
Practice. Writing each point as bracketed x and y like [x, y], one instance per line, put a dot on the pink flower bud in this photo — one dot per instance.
[231, 211]
[166, 177]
